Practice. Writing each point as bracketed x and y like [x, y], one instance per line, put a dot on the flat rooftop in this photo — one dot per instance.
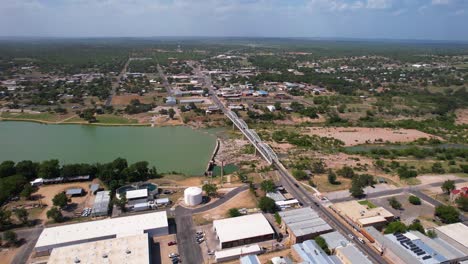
[354, 255]
[134, 194]
[304, 221]
[238, 251]
[129, 250]
[356, 211]
[107, 228]
[457, 232]
[236, 228]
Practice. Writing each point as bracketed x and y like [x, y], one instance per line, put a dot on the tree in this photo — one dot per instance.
[394, 203]
[414, 200]
[49, 169]
[346, 172]
[27, 168]
[55, 214]
[318, 167]
[462, 203]
[447, 214]
[210, 189]
[7, 168]
[431, 233]
[331, 177]
[10, 237]
[322, 244]
[88, 115]
[234, 212]
[22, 215]
[122, 202]
[267, 186]
[416, 226]
[448, 186]
[300, 175]
[356, 190]
[27, 191]
[171, 113]
[437, 168]
[60, 200]
[277, 218]
[266, 204]
[277, 106]
[395, 227]
[5, 218]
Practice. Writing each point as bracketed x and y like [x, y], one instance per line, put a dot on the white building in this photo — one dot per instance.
[137, 194]
[154, 224]
[130, 250]
[242, 230]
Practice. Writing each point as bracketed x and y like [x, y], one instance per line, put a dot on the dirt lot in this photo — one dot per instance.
[242, 200]
[7, 254]
[125, 99]
[361, 135]
[47, 192]
[424, 212]
[462, 116]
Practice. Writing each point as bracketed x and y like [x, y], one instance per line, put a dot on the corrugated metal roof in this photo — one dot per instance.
[74, 191]
[304, 221]
[249, 259]
[354, 255]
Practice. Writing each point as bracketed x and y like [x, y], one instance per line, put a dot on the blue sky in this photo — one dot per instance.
[393, 19]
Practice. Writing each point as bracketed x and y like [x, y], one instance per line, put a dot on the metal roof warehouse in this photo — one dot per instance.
[66, 235]
[303, 224]
[242, 230]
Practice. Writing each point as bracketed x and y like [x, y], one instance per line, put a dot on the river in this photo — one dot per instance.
[179, 149]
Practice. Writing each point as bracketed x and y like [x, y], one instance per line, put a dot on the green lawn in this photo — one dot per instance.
[113, 119]
[368, 204]
[39, 117]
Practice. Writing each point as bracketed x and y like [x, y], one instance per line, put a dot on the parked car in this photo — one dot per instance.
[172, 243]
[200, 240]
[173, 255]
[351, 236]
[361, 240]
[211, 252]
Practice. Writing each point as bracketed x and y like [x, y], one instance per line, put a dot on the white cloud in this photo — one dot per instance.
[379, 4]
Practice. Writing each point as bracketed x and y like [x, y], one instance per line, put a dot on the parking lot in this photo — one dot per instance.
[210, 244]
[409, 211]
[161, 249]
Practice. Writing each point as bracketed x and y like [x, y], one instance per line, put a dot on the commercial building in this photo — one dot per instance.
[351, 255]
[249, 259]
[415, 247]
[101, 203]
[94, 188]
[360, 215]
[137, 194]
[276, 196]
[303, 224]
[335, 240]
[310, 252]
[283, 205]
[130, 250]
[235, 253]
[74, 192]
[153, 224]
[456, 234]
[242, 230]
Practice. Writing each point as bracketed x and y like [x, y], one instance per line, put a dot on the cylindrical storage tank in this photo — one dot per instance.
[193, 196]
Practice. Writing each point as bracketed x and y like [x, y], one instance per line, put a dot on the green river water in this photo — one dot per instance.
[179, 149]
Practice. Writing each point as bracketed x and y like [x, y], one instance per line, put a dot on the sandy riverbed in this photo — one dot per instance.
[352, 136]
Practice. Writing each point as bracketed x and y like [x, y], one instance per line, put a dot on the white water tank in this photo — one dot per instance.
[193, 196]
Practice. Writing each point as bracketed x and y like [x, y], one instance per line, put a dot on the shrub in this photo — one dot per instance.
[414, 200]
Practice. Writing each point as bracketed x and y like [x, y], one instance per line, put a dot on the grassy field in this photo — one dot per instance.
[367, 203]
[113, 119]
[46, 117]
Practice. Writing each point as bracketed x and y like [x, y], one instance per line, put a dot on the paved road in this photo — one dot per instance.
[115, 85]
[31, 235]
[166, 83]
[189, 249]
[411, 189]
